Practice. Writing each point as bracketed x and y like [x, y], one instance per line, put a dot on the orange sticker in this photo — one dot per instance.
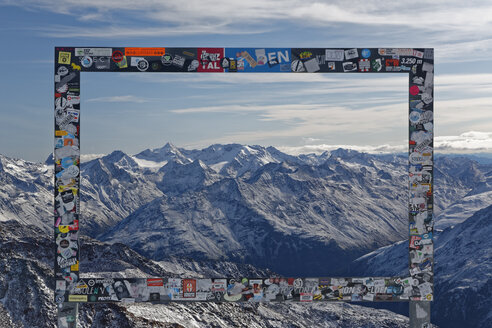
[60, 133]
[145, 51]
[74, 267]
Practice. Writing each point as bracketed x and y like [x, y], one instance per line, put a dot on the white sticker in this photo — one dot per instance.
[351, 53]
[334, 55]
[79, 52]
[312, 65]
[414, 117]
[261, 57]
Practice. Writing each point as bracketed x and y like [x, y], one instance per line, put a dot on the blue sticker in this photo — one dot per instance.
[366, 53]
[259, 59]
[66, 162]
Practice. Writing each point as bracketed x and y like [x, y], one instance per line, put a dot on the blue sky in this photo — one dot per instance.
[297, 113]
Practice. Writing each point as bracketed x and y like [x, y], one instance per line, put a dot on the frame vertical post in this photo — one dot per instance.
[66, 157]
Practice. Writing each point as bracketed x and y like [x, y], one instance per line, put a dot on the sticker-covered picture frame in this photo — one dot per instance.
[415, 287]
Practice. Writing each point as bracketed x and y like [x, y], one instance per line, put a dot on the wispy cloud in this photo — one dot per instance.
[458, 30]
[120, 99]
[472, 141]
[321, 148]
[468, 142]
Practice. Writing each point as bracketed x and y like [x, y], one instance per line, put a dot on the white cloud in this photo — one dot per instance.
[459, 31]
[472, 141]
[321, 148]
[120, 99]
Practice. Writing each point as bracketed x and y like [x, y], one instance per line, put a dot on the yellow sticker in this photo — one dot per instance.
[76, 67]
[75, 267]
[60, 133]
[77, 298]
[63, 229]
[64, 57]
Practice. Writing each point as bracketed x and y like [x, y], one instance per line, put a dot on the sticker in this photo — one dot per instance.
[62, 70]
[123, 63]
[364, 65]
[167, 59]
[351, 53]
[102, 62]
[297, 66]
[427, 67]
[259, 60]
[143, 65]
[189, 288]
[145, 51]
[249, 59]
[77, 298]
[349, 67]
[261, 57]
[117, 56]
[331, 66]
[312, 65]
[105, 52]
[416, 158]
[155, 282]
[334, 55]
[376, 65]
[86, 61]
[414, 117]
[210, 59]
[64, 58]
[193, 66]
[225, 62]
[429, 53]
[366, 53]
[179, 61]
[414, 90]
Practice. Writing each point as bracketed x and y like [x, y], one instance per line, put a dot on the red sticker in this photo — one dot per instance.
[210, 59]
[414, 90]
[117, 56]
[155, 282]
[189, 288]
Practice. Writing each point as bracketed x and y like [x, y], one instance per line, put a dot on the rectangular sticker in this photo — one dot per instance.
[64, 57]
[77, 298]
[334, 55]
[189, 288]
[155, 282]
[210, 59]
[145, 51]
[79, 52]
[258, 60]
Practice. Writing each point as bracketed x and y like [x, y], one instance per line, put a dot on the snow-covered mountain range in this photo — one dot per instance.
[27, 284]
[463, 271]
[296, 215]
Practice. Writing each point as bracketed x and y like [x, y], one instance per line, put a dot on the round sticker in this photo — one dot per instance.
[64, 243]
[366, 53]
[414, 117]
[117, 56]
[156, 66]
[297, 66]
[86, 61]
[142, 65]
[414, 90]
[166, 59]
[62, 71]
